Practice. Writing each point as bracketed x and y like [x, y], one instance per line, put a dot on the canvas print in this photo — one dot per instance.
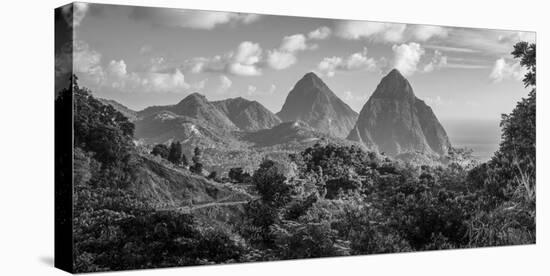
[191, 137]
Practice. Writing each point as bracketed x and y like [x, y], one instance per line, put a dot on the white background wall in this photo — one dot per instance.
[26, 137]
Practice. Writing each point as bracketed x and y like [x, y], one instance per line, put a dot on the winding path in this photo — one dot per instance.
[189, 209]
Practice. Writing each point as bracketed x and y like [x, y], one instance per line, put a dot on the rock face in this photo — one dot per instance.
[247, 115]
[313, 102]
[395, 121]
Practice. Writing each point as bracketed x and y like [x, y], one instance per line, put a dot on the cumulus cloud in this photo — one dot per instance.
[118, 77]
[77, 57]
[293, 43]
[117, 68]
[504, 70]
[84, 61]
[225, 84]
[319, 34]
[407, 57]
[253, 90]
[434, 101]
[514, 37]
[248, 59]
[386, 32]
[244, 61]
[194, 19]
[88, 65]
[74, 13]
[437, 61]
[452, 49]
[279, 60]
[163, 82]
[389, 32]
[285, 55]
[356, 61]
[426, 32]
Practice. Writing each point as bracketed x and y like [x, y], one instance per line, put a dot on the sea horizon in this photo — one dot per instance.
[480, 135]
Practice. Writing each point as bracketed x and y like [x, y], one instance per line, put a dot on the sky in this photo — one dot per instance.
[143, 56]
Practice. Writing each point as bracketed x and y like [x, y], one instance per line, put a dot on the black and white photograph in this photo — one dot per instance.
[274, 138]
[209, 137]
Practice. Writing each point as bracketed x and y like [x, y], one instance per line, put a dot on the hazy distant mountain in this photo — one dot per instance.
[287, 132]
[313, 102]
[247, 115]
[130, 114]
[166, 126]
[194, 106]
[395, 121]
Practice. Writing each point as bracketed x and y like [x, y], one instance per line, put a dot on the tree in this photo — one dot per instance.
[271, 184]
[508, 180]
[527, 54]
[100, 128]
[197, 165]
[161, 150]
[238, 175]
[176, 153]
[213, 175]
[518, 147]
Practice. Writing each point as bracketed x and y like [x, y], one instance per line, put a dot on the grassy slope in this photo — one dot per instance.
[168, 186]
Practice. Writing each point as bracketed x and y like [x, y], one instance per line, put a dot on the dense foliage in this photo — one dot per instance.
[326, 200]
[115, 229]
[197, 166]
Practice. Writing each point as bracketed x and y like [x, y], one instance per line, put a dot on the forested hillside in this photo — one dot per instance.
[137, 207]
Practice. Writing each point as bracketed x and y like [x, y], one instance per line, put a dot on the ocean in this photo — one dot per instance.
[482, 136]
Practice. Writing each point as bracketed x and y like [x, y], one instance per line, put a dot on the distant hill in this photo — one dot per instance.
[194, 106]
[312, 101]
[166, 126]
[195, 120]
[247, 115]
[395, 121]
[296, 132]
[129, 113]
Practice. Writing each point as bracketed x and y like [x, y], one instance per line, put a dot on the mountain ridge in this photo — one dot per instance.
[247, 115]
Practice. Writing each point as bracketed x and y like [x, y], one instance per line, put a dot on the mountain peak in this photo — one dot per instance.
[246, 114]
[310, 79]
[394, 85]
[193, 98]
[395, 73]
[310, 75]
[196, 95]
[312, 101]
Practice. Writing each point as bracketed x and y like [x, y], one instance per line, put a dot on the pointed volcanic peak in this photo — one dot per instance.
[312, 101]
[395, 121]
[247, 115]
[195, 106]
[394, 86]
